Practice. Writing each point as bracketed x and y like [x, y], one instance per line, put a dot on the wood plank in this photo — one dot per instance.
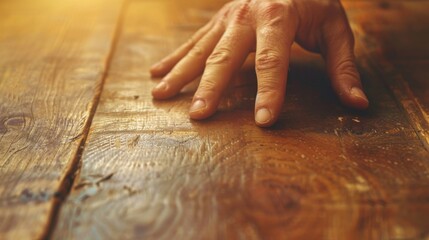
[52, 58]
[323, 171]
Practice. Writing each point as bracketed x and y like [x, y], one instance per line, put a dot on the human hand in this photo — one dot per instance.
[268, 27]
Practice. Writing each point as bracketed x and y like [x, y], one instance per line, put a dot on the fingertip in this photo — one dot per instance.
[161, 91]
[157, 70]
[264, 117]
[360, 100]
[200, 109]
[355, 98]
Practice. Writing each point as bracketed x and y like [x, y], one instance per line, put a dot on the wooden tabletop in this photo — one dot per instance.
[86, 153]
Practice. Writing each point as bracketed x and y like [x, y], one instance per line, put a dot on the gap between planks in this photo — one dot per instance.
[73, 168]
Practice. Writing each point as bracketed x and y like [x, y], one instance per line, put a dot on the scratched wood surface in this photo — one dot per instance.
[52, 58]
[323, 172]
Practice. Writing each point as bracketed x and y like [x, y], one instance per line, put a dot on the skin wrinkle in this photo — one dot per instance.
[268, 59]
[242, 17]
[269, 27]
[219, 56]
[196, 52]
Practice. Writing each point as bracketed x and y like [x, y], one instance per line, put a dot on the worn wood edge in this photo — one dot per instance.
[67, 181]
[397, 85]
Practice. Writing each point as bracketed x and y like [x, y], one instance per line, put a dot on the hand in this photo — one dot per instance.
[268, 27]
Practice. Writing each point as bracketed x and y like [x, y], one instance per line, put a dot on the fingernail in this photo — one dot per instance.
[198, 105]
[162, 86]
[156, 66]
[263, 116]
[357, 92]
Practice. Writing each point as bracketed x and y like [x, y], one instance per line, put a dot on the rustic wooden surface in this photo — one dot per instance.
[323, 171]
[52, 59]
[148, 172]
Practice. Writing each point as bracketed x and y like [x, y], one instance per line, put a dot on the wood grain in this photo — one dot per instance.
[323, 172]
[52, 58]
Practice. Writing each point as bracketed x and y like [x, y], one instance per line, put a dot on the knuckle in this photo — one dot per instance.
[272, 10]
[346, 64]
[196, 52]
[219, 57]
[225, 12]
[277, 13]
[242, 14]
[268, 88]
[190, 42]
[268, 59]
[207, 88]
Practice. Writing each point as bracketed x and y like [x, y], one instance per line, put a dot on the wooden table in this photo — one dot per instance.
[85, 153]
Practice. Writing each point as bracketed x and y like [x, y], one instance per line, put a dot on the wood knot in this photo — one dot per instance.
[13, 123]
[282, 196]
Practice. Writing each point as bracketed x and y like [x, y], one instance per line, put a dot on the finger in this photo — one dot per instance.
[189, 67]
[276, 27]
[164, 66]
[341, 67]
[226, 59]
